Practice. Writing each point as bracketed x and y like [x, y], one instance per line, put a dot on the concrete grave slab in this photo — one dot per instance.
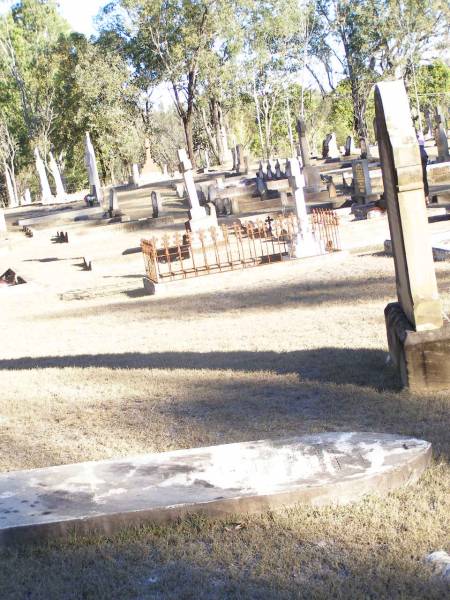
[328, 468]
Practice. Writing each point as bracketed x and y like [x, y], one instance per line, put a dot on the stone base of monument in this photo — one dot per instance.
[203, 223]
[328, 468]
[422, 358]
[305, 246]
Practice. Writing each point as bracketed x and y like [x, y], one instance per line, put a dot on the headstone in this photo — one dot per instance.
[12, 197]
[46, 194]
[165, 171]
[350, 148]
[325, 146]
[362, 188]
[3, 227]
[333, 150]
[60, 191]
[303, 142]
[157, 205]
[197, 214]
[269, 171]
[278, 173]
[429, 122]
[305, 242]
[136, 175]
[113, 201]
[91, 164]
[234, 157]
[365, 146]
[419, 343]
[27, 197]
[441, 140]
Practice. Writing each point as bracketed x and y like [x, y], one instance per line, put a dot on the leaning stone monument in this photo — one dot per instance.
[419, 341]
[198, 219]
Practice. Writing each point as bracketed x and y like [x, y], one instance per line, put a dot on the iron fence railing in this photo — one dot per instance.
[228, 247]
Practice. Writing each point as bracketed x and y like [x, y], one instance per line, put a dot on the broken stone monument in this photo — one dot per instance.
[198, 219]
[419, 340]
[46, 194]
[91, 164]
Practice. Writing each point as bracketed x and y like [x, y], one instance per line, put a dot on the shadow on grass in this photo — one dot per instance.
[363, 367]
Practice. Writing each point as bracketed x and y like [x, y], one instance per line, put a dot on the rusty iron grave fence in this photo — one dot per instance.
[229, 247]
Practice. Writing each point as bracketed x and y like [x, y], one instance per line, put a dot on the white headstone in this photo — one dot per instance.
[60, 191]
[91, 164]
[195, 210]
[46, 194]
[306, 244]
[333, 150]
[136, 175]
[2, 220]
[12, 198]
[27, 197]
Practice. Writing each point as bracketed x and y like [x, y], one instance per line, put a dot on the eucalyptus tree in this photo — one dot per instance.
[174, 41]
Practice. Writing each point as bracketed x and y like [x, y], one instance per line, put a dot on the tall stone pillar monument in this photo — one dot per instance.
[198, 219]
[46, 194]
[91, 165]
[60, 191]
[419, 342]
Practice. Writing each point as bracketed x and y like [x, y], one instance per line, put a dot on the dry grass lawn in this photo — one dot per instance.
[291, 348]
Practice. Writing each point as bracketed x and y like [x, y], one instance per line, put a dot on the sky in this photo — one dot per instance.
[80, 13]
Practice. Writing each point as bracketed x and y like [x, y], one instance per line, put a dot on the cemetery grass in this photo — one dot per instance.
[267, 353]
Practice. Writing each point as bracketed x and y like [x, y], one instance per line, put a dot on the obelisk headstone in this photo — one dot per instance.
[91, 163]
[46, 194]
[418, 342]
[60, 191]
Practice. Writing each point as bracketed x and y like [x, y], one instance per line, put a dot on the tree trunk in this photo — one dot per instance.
[188, 134]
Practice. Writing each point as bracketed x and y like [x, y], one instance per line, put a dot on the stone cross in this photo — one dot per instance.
[46, 194]
[303, 141]
[60, 191]
[195, 210]
[404, 193]
[91, 164]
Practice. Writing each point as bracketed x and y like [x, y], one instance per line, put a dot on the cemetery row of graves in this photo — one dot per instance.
[119, 256]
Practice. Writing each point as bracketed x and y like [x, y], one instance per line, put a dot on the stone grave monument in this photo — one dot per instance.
[305, 244]
[440, 136]
[46, 194]
[157, 205]
[150, 172]
[362, 187]
[136, 176]
[333, 150]
[350, 148]
[419, 340]
[310, 172]
[198, 219]
[91, 164]
[60, 191]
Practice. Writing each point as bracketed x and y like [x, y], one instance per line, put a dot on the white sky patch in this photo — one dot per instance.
[80, 14]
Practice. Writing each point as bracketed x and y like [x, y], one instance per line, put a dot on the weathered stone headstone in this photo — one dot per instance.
[46, 194]
[441, 140]
[305, 244]
[419, 343]
[429, 122]
[27, 197]
[113, 201]
[362, 188]
[239, 158]
[136, 176]
[157, 205]
[303, 142]
[60, 191]
[13, 201]
[91, 164]
[350, 148]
